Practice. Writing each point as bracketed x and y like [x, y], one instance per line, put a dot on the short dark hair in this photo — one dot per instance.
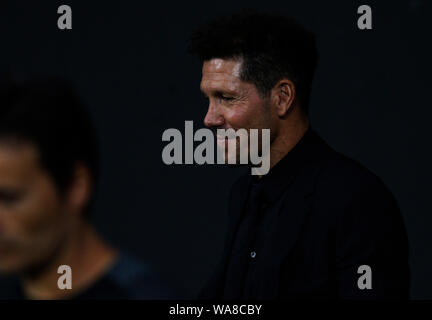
[271, 47]
[46, 112]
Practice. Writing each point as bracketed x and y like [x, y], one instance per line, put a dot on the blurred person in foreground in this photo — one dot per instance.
[48, 172]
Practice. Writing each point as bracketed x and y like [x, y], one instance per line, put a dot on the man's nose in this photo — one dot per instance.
[213, 118]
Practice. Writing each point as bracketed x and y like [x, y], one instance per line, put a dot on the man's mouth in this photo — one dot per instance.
[222, 142]
[221, 137]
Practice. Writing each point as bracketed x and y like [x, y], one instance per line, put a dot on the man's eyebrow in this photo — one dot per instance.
[218, 92]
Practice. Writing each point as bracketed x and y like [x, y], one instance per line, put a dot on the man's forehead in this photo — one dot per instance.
[17, 162]
[18, 154]
[220, 72]
[230, 67]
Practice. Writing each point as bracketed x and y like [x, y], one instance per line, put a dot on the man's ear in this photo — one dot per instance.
[283, 95]
[80, 189]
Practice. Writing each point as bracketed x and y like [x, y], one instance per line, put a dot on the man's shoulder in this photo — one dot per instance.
[340, 174]
[345, 190]
[334, 172]
[333, 176]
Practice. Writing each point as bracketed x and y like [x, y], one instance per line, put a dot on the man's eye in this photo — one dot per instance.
[9, 197]
[226, 98]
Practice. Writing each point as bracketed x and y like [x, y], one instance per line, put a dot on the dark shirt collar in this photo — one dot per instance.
[281, 175]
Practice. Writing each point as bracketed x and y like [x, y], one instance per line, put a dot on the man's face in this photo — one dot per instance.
[33, 219]
[233, 103]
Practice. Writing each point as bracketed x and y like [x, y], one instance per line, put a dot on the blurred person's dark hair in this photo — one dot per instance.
[47, 112]
[270, 46]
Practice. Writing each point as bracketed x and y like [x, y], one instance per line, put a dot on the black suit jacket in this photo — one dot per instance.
[332, 216]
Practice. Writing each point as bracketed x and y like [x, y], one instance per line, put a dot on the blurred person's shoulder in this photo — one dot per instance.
[130, 278]
[127, 279]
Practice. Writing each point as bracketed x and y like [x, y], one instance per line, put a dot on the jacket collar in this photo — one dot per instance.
[282, 174]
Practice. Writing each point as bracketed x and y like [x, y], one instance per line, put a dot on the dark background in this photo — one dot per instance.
[129, 62]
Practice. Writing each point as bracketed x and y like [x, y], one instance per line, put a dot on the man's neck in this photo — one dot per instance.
[87, 255]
